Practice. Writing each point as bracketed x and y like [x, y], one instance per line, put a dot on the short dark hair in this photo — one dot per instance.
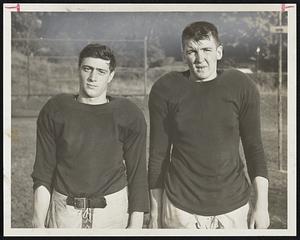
[200, 30]
[96, 50]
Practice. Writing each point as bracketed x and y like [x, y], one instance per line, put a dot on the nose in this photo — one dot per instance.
[199, 57]
[93, 76]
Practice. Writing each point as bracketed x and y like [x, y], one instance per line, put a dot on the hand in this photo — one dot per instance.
[132, 226]
[41, 201]
[156, 208]
[136, 220]
[259, 219]
[37, 224]
[260, 215]
[155, 222]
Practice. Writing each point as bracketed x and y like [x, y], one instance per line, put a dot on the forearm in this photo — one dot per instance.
[136, 220]
[260, 215]
[156, 207]
[261, 186]
[41, 201]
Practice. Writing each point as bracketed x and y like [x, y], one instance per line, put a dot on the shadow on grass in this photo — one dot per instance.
[23, 153]
[278, 208]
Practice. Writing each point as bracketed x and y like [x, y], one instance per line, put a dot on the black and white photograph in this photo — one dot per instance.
[149, 119]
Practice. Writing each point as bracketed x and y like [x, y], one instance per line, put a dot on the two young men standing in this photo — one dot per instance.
[90, 168]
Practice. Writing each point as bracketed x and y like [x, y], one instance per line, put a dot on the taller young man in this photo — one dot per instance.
[197, 119]
[90, 167]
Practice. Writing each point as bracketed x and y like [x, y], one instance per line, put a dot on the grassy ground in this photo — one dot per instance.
[50, 78]
[23, 153]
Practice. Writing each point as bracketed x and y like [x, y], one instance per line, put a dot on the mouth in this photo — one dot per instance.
[91, 85]
[200, 68]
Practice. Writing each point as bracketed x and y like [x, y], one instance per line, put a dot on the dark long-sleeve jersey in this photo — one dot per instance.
[87, 150]
[195, 130]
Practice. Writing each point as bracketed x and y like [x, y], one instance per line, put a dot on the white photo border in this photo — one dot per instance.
[292, 164]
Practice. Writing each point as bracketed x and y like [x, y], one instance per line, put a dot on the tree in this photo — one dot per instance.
[26, 26]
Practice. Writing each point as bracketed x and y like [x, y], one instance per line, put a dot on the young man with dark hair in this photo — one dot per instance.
[197, 118]
[90, 166]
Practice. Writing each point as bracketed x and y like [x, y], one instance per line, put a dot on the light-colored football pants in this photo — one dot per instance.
[114, 215]
[173, 217]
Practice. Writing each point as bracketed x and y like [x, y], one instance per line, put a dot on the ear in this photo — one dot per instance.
[111, 76]
[183, 55]
[183, 52]
[78, 71]
[219, 52]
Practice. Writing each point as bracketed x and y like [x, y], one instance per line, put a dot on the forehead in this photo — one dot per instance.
[202, 43]
[96, 62]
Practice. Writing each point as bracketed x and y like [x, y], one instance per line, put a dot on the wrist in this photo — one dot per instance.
[261, 207]
[154, 211]
[136, 220]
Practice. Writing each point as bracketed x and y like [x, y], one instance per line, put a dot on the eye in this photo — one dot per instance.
[189, 52]
[101, 72]
[86, 68]
[207, 49]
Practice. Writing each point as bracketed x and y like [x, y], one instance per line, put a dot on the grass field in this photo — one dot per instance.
[23, 154]
[48, 78]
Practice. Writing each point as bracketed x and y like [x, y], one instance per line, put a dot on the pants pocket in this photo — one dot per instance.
[62, 215]
[115, 214]
[173, 217]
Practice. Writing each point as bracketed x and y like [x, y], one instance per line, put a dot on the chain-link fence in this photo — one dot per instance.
[42, 68]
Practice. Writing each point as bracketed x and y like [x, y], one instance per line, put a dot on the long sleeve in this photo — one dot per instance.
[134, 148]
[45, 159]
[250, 130]
[160, 144]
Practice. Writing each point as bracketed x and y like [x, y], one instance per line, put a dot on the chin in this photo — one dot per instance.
[200, 76]
[92, 94]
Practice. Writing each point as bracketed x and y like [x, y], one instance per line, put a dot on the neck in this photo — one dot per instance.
[92, 101]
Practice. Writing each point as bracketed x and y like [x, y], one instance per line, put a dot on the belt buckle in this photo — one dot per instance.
[77, 202]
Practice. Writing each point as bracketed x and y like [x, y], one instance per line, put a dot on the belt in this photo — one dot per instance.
[83, 203]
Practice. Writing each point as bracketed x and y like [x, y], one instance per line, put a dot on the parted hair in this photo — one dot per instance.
[96, 50]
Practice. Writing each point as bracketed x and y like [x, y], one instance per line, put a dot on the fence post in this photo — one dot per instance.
[28, 67]
[145, 66]
[279, 98]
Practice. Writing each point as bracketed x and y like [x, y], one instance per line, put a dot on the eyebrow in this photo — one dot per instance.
[98, 69]
[188, 48]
